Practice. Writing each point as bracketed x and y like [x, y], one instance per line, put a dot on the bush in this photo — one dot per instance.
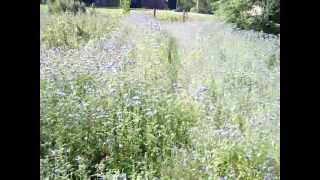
[184, 5]
[92, 10]
[274, 11]
[125, 5]
[235, 11]
[64, 34]
[61, 6]
[238, 12]
[204, 7]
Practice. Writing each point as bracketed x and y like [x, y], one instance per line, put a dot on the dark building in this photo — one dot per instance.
[103, 3]
[159, 4]
[135, 3]
[172, 4]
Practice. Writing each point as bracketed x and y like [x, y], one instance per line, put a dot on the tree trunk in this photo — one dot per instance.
[197, 5]
[184, 15]
[154, 8]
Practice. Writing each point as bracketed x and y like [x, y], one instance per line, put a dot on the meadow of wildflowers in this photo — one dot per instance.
[138, 98]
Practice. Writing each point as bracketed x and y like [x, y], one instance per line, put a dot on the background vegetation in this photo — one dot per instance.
[240, 12]
[260, 15]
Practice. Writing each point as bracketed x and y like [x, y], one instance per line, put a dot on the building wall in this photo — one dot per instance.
[101, 3]
[136, 3]
[160, 4]
[172, 4]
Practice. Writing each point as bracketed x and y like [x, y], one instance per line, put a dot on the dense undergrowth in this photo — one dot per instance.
[130, 101]
[259, 15]
[234, 76]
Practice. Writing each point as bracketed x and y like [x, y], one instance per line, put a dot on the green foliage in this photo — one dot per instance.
[61, 6]
[194, 10]
[214, 4]
[129, 137]
[65, 34]
[125, 5]
[273, 61]
[141, 104]
[70, 31]
[120, 124]
[274, 10]
[184, 5]
[270, 15]
[92, 10]
[201, 6]
[271, 9]
[235, 11]
[240, 13]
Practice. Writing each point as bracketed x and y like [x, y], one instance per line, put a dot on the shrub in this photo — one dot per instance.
[238, 12]
[235, 11]
[92, 10]
[60, 6]
[194, 10]
[203, 6]
[65, 34]
[274, 10]
[184, 5]
[129, 132]
[125, 5]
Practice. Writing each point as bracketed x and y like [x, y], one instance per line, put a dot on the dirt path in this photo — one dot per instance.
[191, 38]
[188, 35]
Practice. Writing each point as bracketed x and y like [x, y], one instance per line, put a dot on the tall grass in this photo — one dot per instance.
[93, 124]
[72, 31]
[141, 102]
[234, 76]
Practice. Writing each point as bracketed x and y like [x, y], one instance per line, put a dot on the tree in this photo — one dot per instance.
[61, 6]
[154, 7]
[197, 4]
[125, 5]
[184, 5]
[238, 12]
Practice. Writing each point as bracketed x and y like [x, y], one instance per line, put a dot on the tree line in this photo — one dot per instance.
[260, 15]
